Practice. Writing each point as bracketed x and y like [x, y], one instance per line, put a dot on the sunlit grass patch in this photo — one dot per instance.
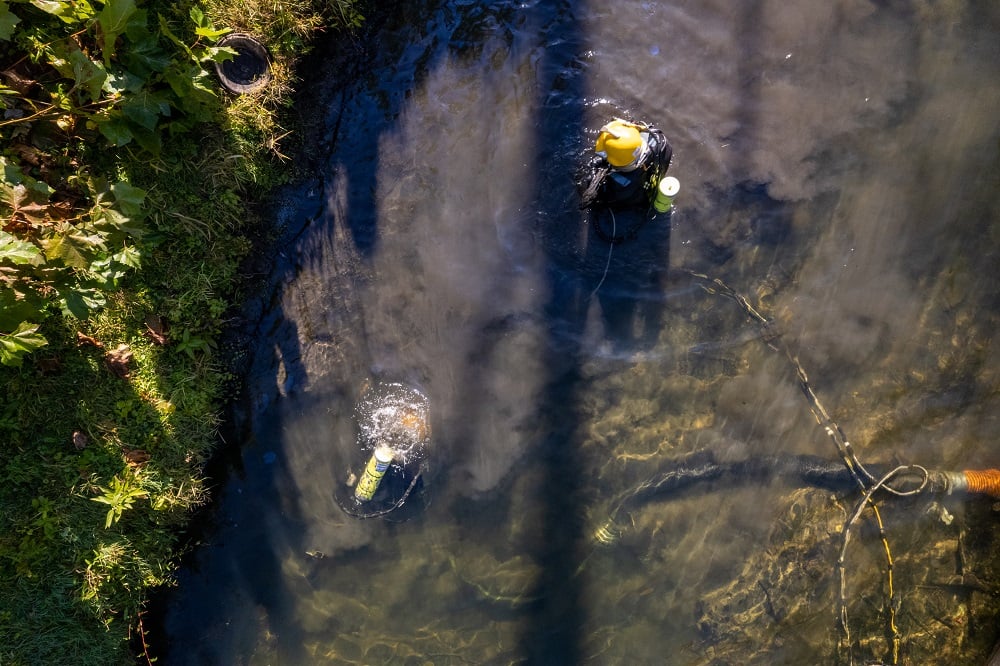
[106, 428]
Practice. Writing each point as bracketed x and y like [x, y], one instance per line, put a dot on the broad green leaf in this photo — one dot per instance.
[129, 198]
[129, 256]
[219, 53]
[192, 87]
[54, 7]
[68, 11]
[73, 247]
[19, 252]
[16, 308]
[14, 346]
[88, 74]
[17, 189]
[8, 20]
[212, 33]
[145, 108]
[81, 302]
[111, 269]
[112, 221]
[114, 20]
[25, 198]
[149, 140]
[145, 55]
[116, 130]
[121, 81]
[204, 27]
[11, 171]
[82, 10]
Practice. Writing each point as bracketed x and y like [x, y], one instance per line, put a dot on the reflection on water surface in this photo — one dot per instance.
[839, 166]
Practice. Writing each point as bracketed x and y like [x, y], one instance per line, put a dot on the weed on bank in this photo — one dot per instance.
[127, 208]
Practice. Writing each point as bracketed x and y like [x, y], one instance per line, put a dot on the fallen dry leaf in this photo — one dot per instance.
[155, 329]
[136, 457]
[83, 339]
[19, 81]
[119, 360]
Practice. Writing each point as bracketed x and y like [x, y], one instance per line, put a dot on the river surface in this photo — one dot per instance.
[839, 163]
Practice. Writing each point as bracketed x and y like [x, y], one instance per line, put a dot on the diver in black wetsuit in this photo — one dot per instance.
[630, 161]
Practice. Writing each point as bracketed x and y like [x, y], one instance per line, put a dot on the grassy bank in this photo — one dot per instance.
[130, 185]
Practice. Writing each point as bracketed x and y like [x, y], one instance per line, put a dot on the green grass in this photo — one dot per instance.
[100, 473]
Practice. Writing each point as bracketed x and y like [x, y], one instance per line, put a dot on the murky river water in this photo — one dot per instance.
[839, 164]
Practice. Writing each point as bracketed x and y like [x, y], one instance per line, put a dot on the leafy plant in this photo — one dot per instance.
[96, 223]
[13, 346]
[83, 76]
[189, 344]
[45, 519]
[120, 496]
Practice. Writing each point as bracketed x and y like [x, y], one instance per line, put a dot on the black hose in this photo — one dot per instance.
[702, 467]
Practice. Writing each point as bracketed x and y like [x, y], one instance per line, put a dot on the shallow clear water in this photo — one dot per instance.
[839, 166]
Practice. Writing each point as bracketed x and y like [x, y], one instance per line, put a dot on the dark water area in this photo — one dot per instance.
[839, 165]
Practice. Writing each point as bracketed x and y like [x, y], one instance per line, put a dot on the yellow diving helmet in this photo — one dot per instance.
[620, 141]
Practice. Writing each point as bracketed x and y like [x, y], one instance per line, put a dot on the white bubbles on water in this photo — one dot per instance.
[397, 416]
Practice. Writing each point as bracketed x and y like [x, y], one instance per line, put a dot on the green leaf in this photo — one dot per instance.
[112, 220]
[14, 346]
[19, 252]
[81, 302]
[11, 172]
[129, 198]
[114, 20]
[87, 74]
[23, 194]
[122, 80]
[148, 140]
[8, 20]
[219, 53]
[116, 130]
[204, 27]
[73, 247]
[54, 7]
[191, 86]
[71, 11]
[145, 55]
[82, 10]
[129, 256]
[16, 308]
[197, 16]
[212, 33]
[145, 108]
[16, 184]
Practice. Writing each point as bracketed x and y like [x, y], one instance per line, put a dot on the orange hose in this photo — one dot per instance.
[984, 481]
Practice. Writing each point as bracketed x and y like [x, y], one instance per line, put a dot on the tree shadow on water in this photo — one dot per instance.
[554, 621]
[254, 522]
[624, 281]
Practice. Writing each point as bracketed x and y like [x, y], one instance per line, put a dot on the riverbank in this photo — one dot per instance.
[130, 216]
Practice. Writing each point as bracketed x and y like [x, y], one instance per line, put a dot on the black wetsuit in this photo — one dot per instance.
[603, 186]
